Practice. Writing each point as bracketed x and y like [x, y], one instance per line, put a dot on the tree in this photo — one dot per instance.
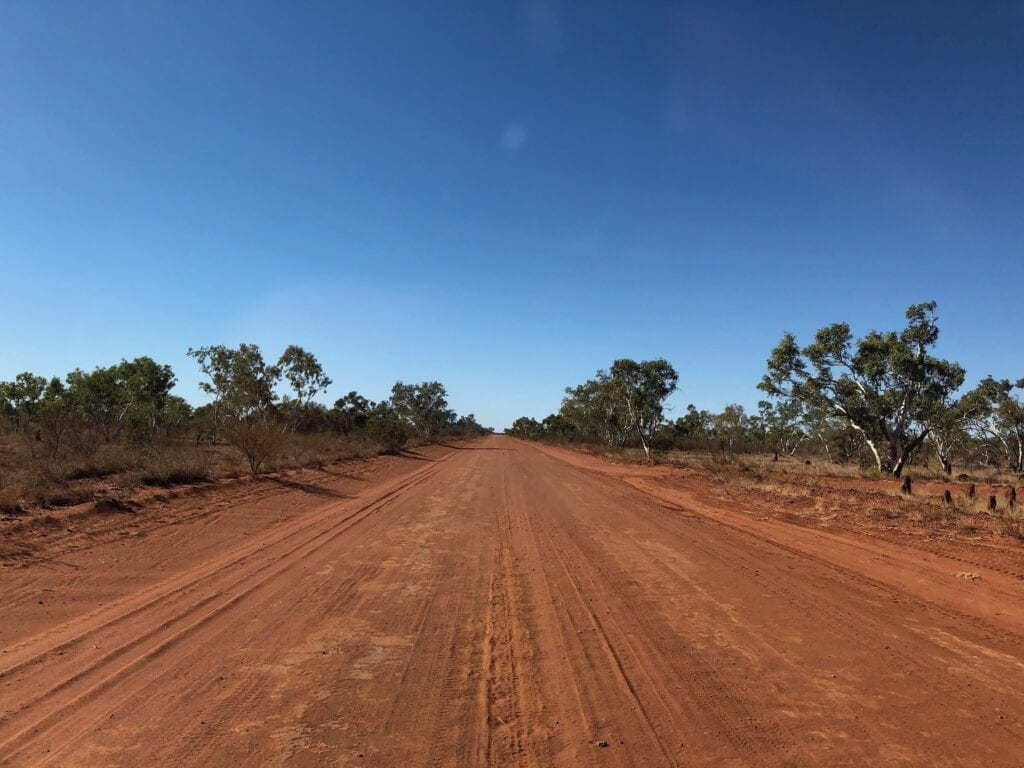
[468, 426]
[732, 425]
[351, 412]
[53, 415]
[244, 391]
[947, 430]
[176, 415]
[887, 386]
[215, 362]
[21, 398]
[306, 377]
[109, 402]
[695, 424]
[839, 440]
[525, 427]
[423, 406]
[147, 386]
[240, 381]
[643, 388]
[994, 413]
[782, 424]
[595, 411]
[385, 425]
[557, 426]
[100, 401]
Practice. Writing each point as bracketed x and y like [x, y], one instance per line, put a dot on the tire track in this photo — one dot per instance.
[27, 724]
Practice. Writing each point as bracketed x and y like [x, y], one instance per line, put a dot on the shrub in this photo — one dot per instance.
[258, 440]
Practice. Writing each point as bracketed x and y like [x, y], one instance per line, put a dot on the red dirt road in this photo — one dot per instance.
[501, 605]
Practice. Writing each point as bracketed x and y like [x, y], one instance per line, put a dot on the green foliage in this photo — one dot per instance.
[695, 424]
[424, 407]
[526, 427]
[385, 425]
[642, 389]
[255, 405]
[731, 425]
[243, 387]
[887, 386]
[351, 413]
[992, 412]
[19, 399]
[91, 408]
[782, 425]
[594, 409]
[468, 426]
[240, 382]
[306, 377]
[624, 404]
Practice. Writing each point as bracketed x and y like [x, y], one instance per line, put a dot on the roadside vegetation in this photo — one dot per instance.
[880, 406]
[63, 440]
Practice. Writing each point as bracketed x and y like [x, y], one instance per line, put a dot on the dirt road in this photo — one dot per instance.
[501, 605]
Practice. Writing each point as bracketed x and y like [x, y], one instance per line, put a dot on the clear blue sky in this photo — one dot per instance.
[506, 196]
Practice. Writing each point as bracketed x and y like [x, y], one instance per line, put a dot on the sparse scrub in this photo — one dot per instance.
[72, 440]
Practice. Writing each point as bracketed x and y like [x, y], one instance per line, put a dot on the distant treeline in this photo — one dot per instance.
[254, 406]
[883, 400]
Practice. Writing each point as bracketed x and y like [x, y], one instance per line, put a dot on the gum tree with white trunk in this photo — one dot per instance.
[886, 386]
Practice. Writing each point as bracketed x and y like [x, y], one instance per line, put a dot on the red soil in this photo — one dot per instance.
[502, 604]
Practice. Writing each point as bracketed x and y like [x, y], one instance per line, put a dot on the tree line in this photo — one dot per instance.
[884, 399]
[254, 406]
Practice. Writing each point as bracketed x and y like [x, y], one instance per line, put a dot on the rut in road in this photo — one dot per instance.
[160, 616]
[502, 607]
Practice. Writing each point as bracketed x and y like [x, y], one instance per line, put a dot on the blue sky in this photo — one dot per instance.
[506, 196]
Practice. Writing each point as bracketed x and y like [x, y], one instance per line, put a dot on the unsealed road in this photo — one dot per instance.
[497, 605]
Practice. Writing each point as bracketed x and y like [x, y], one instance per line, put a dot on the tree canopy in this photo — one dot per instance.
[886, 386]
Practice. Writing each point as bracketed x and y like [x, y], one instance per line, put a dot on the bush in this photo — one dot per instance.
[389, 430]
[258, 440]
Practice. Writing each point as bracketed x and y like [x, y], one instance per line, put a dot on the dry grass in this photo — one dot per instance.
[815, 467]
[822, 493]
[28, 482]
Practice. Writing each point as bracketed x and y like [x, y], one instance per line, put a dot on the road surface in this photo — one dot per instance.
[500, 604]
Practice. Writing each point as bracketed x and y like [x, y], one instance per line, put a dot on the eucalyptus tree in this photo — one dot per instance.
[627, 401]
[147, 386]
[886, 386]
[351, 412]
[306, 378]
[731, 425]
[996, 414]
[241, 383]
[697, 424]
[54, 416]
[388, 427]
[423, 406]
[20, 398]
[783, 425]
[244, 391]
[838, 439]
[526, 426]
[596, 411]
[215, 362]
[642, 388]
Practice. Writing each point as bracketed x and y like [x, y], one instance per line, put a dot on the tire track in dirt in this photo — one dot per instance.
[25, 652]
[855, 622]
[503, 608]
[511, 700]
[20, 727]
[712, 703]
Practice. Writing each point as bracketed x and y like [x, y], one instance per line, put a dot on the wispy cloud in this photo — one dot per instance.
[513, 137]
